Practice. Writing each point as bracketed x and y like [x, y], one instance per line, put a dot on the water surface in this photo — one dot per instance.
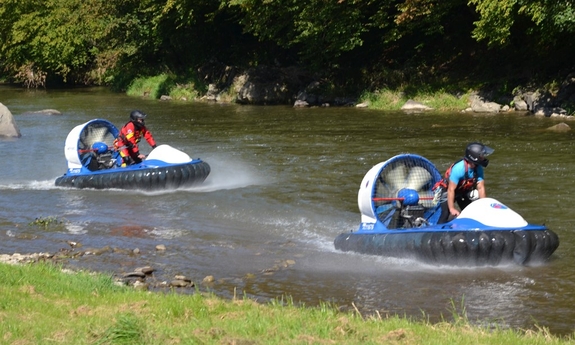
[283, 185]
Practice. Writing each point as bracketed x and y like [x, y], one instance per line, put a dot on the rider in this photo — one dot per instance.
[461, 179]
[129, 137]
[100, 157]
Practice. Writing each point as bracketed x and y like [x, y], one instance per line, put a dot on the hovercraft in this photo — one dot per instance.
[164, 168]
[399, 215]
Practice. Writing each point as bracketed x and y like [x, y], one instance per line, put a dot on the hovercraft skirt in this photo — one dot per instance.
[159, 178]
[457, 248]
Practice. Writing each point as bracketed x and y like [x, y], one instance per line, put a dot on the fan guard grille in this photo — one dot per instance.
[96, 132]
[403, 172]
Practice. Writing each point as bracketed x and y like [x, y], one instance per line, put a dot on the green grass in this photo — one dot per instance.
[394, 99]
[40, 304]
[166, 85]
[184, 92]
[152, 87]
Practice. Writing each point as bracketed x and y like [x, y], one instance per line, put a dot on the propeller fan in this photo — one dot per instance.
[405, 180]
[95, 132]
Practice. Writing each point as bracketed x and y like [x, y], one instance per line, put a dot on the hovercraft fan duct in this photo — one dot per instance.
[403, 181]
[81, 138]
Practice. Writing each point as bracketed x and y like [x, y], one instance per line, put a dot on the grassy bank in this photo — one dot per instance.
[40, 304]
[155, 87]
[166, 85]
[395, 99]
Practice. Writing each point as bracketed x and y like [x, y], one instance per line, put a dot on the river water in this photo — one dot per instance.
[283, 185]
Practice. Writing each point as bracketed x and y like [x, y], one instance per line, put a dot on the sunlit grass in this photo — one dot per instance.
[185, 92]
[152, 87]
[395, 99]
[384, 99]
[39, 304]
[166, 85]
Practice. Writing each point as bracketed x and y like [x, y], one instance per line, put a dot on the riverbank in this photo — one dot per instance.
[40, 303]
[272, 85]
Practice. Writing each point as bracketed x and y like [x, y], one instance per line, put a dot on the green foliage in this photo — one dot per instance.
[384, 99]
[496, 19]
[549, 19]
[57, 36]
[188, 87]
[178, 88]
[444, 101]
[152, 87]
[46, 222]
[184, 92]
[319, 31]
[394, 99]
[372, 44]
[65, 37]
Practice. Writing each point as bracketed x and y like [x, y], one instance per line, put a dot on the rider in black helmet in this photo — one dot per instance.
[136, 116]
[463, 181]
[476, 153]
[129, 137]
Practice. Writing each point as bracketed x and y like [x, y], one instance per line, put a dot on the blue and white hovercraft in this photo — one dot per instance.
[164, 168]
[399, 219]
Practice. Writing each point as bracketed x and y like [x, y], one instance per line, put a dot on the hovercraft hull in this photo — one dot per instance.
[142, 177]
[165, 167]
[456, 248]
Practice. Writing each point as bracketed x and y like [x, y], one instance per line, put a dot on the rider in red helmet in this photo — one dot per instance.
[127, 141]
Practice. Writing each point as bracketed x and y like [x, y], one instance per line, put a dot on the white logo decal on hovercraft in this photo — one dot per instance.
[367, 226]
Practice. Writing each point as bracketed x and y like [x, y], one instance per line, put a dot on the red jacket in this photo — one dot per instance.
[129, 137]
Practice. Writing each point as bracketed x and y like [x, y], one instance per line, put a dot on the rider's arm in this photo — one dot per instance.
[451, 198]
[481, 189]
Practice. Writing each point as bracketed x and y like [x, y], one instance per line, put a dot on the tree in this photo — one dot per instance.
[549, 19]
[319, 30]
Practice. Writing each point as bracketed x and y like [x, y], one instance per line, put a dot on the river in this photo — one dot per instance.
[283, 185]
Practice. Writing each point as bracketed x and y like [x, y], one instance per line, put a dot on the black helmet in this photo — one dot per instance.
[136, 115]
[476, 153]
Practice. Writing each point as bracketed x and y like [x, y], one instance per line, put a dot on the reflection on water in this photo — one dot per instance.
[284, 184]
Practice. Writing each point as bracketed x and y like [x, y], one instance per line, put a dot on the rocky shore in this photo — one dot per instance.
[143, 277]
[140, 278]
[265, 85]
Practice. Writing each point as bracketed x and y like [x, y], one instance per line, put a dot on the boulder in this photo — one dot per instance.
[268, 85]
[479, 106]
[300, 104]
[560, 127]
[412, 105]
[43, 112]
[8, 127]
[521, 105]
